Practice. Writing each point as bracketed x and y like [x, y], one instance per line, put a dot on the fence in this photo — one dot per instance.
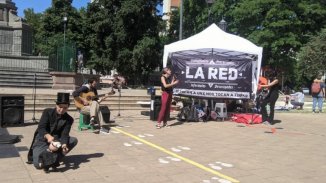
[64, 60]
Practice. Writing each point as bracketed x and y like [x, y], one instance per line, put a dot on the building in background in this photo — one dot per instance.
[168, 7]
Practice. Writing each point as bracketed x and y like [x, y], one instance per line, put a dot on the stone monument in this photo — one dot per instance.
[15, 34]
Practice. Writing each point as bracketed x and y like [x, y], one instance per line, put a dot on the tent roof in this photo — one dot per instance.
[212, 37]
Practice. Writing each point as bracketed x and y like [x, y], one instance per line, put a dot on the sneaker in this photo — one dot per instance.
[158, 126]
[92, 121]
[104, 130]
[266, 123]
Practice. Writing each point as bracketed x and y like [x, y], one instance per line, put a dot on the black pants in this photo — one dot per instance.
[42, 146]
[271, 100]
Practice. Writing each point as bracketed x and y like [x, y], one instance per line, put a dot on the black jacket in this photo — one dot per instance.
[51, 123]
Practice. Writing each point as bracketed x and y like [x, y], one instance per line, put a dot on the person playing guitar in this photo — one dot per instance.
[87, 101]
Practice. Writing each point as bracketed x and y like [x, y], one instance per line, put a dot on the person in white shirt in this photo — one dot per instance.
[297, 100]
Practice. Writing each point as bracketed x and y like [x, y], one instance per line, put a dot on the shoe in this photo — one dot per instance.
[158, 126]
[92, 121]
[266, 123]
[104, 130]
[46, 170]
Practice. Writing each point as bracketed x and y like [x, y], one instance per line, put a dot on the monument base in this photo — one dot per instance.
[70, 80]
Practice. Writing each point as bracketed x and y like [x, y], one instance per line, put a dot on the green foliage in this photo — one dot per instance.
[311, 58]
[34, 20]
[124, 35]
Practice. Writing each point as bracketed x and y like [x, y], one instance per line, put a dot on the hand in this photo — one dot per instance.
[65, 148]
[175, 82]
[85, 102]
[49, 138]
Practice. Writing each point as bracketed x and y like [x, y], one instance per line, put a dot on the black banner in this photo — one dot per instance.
[213, 78]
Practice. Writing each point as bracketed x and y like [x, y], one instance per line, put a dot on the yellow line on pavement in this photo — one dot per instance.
[178, 156]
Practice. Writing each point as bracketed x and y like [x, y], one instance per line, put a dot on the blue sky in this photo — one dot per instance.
[41, 5]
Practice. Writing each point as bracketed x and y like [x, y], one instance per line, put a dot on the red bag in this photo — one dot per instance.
[247, 118]
[315, 88]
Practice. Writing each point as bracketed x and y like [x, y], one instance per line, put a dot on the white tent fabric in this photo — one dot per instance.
[214, 37]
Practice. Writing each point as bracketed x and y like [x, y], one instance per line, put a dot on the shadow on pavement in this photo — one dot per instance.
[73, 161]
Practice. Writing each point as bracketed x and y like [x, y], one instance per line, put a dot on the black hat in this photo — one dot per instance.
[63, 98]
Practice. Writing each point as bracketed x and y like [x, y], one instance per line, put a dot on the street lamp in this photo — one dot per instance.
[209, 3]
[65, 19]
[223, 24]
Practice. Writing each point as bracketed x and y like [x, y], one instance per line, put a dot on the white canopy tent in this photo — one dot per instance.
[229, 45]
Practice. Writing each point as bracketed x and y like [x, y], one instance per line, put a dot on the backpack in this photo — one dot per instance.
[315, 88]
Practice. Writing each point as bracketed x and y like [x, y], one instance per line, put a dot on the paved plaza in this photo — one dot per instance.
[136, 152]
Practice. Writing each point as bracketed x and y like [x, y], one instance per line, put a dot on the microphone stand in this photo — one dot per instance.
[119, 90]
[34, 99]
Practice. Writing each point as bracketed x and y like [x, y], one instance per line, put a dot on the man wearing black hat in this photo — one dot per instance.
[51, 140]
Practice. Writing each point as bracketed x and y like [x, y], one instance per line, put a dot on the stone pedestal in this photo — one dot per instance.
[70, 80]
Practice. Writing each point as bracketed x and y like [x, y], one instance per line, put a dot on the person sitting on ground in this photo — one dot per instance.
[91, 108]
[51, 140]
[297, 100]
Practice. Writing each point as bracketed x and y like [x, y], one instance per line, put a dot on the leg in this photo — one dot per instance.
[72, 142]
[273, 99]
[263, 109]
[314, 103]
[85, 110]
[37, 150]
[320, 103]
[164, 100]
[96, 112]
[167, 110]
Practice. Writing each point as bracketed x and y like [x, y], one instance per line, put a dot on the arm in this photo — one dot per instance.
[173, 83]
[65, 133]
[76, 94]
[270, 84]
[44, 124]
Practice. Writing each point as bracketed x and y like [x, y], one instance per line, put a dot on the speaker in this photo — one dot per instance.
[105, 113]
[11, 110]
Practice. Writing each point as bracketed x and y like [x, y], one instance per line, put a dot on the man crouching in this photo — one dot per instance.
[51, 140]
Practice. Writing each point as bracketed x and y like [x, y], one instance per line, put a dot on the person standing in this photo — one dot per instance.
[52, 140]
[270, 99]
[90, 107]
[166, 99]
[318, 94]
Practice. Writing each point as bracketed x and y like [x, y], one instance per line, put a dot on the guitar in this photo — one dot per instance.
[89, 97]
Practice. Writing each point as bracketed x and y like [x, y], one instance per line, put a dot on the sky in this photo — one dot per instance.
[41, 5]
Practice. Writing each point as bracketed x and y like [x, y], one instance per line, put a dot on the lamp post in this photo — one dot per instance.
[209, 3]
[181, 20]
[65, 19]
[223, 24]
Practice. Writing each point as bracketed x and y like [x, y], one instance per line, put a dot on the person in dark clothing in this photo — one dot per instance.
[270, 99]
[52, 140]
[166, 99]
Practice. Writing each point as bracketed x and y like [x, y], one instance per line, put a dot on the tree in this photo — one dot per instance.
[311, 58]
[34, 21]
[125, 36]
[52, 26]
[280, 27]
